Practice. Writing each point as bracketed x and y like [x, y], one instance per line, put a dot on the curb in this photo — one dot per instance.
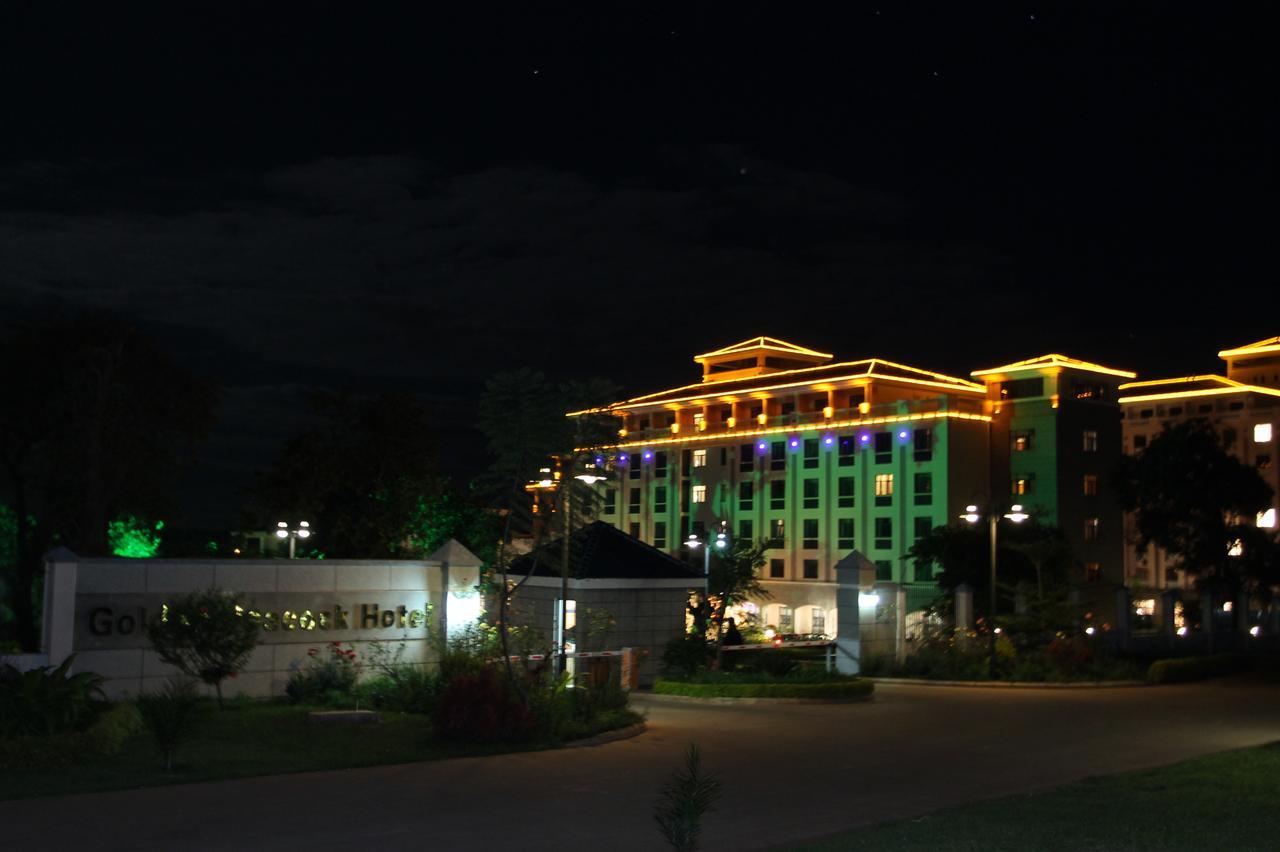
[691, 699]
[609, 736]
[1008, 684]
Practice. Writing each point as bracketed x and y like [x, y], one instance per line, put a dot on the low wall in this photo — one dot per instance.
[95, 609]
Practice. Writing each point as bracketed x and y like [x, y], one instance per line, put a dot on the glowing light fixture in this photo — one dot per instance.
[303, 531]
[971, 514]
[1261, 432]
[829, 440]
[1255, 631]
[1016, 514]
[868, 599]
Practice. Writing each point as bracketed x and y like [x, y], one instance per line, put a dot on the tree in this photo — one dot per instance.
[100, 422]
[205, 635]
[1195, 500]
[732, 579]
[361, 476]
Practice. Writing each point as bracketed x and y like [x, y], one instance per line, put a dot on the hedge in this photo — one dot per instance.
[1186, 669]
[105, 736]
[832, 690]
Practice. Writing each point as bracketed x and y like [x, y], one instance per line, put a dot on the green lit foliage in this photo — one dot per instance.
[205, 635]
[444, 514]
[133, 538]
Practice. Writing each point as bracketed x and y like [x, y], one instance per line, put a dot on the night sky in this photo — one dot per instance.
[318, 195]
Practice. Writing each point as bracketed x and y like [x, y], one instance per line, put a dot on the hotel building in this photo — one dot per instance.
[822, 457]
[1243, 406]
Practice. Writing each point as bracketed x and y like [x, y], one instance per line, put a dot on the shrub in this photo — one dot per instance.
[683, 801]
[481, 707]
[169, 715]
[835, 690]
[48, 701]
[408, 689]
[330, 677]
[1186, 669]
[106, 736]
[686, 654]
[205, 635]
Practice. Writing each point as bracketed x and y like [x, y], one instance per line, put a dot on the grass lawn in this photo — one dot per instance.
[1225, 801]
[257, 738]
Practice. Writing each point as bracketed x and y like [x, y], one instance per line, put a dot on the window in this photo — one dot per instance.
[1261, 433]
[924, 489]
[1206, 408]
[884, 533]
[1092, 572]
[699, 458]
[1146, 413]
[746, 495]
[1090, 440]
[746, 458]
[847, 451]
[884, 569]
[724, 456]
[1023, 484]
[745, 531]
[810, 452]
[636, 465]
[635, 529]
[660, 535]
[811, 493]
[1090, 529]
[1235, 406]
[1263, 461]
[1021, 388]
[660, 463]
[778, 455]
[660, 498]
[777, 495]
[1267, 519]
[1023, 440]
[1139, 442]
[786, 620]
[1090, 485]
[633, 500]
[1175, 411]
[884, 489]
[811, 569]
[818, 622]
[810, 537]
[844, 534]
[699, 493]
[884, 447]
[923, 526]
[610, 502]
[844, 492]
[922, 443]
[777, 532]
[777, 568]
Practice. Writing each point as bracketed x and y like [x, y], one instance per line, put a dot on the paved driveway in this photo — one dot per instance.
[789, 772]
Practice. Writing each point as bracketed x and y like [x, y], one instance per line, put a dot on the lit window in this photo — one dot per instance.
[777, 532]
[699, 458]
[1090, 529]
[1022, 440]
[786, 620]
[1090, 440]
[884, 484]
[1092, 572]
[1262, 432]
[1090, 485]
[699, 493]
[1267, 519]
[818, 621]
[1236, 548]
[1023, 485]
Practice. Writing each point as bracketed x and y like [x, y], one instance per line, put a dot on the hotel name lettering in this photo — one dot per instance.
[106, 621]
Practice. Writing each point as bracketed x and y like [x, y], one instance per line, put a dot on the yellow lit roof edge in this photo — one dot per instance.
[1054, 359]
[1228, 386]
[763, 342]
[1271, 344]
[812, 427]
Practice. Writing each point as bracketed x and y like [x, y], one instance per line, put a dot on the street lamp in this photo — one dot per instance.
[283, 532]
[590, 474]
[972, 515]
[721, 542]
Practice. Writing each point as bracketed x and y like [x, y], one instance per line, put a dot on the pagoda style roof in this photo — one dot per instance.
[1054, 360]
[1185, 386]
[1261, 347]
[754, 344]
[866, 369]
[600, 551]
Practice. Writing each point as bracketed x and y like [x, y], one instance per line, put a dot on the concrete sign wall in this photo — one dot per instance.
[95, 608]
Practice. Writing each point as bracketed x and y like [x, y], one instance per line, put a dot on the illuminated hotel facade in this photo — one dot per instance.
[1243, 406]
[820, 458]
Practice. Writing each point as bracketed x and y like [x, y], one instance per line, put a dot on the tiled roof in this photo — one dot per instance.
[1054, 360]
[1146, 391]
[1271, 344]
[599, 551]
[762, 342]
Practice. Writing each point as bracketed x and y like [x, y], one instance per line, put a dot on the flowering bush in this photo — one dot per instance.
[329, 678]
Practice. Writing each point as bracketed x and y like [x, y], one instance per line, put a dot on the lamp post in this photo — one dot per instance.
[283, 532]
[973, 516]
[590, 475]
[721, 542]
